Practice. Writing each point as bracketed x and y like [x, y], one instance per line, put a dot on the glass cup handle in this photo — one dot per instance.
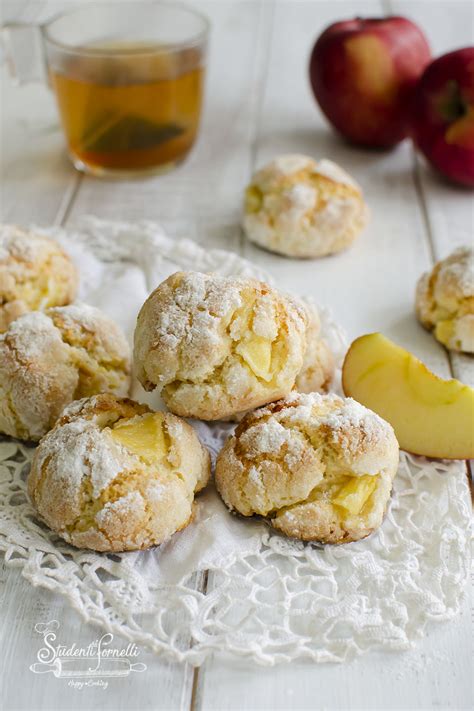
[23, 52]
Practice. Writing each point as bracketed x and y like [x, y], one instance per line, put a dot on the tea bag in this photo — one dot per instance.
[115, 132]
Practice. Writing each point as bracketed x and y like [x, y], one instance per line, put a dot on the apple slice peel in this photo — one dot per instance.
[431, 416]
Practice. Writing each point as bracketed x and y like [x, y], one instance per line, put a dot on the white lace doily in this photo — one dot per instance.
[252, 592]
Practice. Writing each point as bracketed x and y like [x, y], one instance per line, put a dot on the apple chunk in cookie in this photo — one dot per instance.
[112, 475]
[318, 467]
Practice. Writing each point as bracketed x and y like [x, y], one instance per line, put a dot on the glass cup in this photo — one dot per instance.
[128, 79]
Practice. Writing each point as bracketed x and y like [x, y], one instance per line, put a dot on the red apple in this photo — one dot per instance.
[443, 115]
[363, 73]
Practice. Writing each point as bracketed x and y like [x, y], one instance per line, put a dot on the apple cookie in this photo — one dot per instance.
[217, 346]
[35, 273]
[48, 359]
[303, 208]
[445, 300]
[318, 467]
[113, 475]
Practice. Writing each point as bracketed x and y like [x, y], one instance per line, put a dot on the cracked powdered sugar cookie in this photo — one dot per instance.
[48, 359]
[35, 273]
[217, 346]
[113, 475]
[445, 300]
[318, 467]
[303, 208]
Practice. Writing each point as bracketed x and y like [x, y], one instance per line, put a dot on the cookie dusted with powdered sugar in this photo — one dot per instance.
[319, 467]
[48, 359]
[217, 346]
[35, 273]
[113, 475]
[303, 208]
[445, 300]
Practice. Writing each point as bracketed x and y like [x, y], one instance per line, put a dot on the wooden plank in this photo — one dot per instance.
[163, 686]
[430, 676]
[449, 208]
[11, 10]
[370, 287]
[37, 179]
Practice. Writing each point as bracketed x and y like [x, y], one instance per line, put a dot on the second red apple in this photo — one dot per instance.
[363, 73]
[443, 115]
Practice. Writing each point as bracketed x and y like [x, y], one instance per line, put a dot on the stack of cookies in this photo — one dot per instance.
[109, 474]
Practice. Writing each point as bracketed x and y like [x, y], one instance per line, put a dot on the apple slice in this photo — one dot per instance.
[430, 416]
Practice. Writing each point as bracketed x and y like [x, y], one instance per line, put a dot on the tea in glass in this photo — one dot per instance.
[135, 113]
[128, 80]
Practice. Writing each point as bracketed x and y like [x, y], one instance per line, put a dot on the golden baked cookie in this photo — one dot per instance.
[35, 273]
[303, 208]
[445, 300]
[319, 467]
[48, 359]
[113, 475]
[216, 346]
[318, 367]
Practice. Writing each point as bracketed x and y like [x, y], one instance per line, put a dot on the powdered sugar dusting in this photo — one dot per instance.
[103, 462]
[302, 197]
[33, 334]
[156, 491]
[302, 406]
[264, 318]
[353, 414]
[290, 163]
[128, 505]
[84, 315]
[334, 172]
[207, 299]
[457, 272]
[77, 450]
[336, 412]
[254, 476]
[266, 438]
[445, 300]
[355, 429]
[23, 245]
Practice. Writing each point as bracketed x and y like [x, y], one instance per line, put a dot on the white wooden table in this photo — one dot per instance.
[258, 105]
